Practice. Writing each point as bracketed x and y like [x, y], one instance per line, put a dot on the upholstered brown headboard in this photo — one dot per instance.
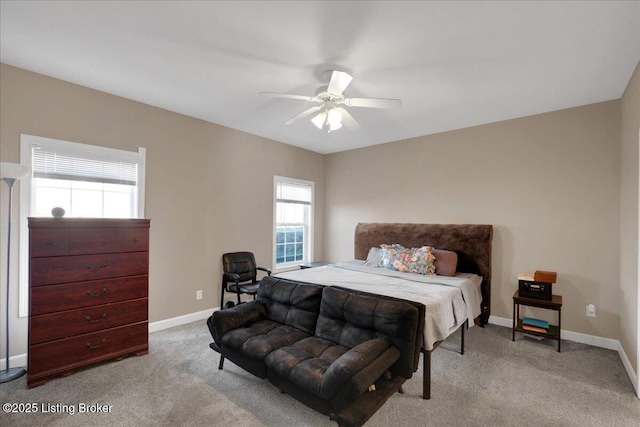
[472, 243]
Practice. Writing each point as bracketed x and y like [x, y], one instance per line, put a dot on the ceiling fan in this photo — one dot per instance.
[331, 114]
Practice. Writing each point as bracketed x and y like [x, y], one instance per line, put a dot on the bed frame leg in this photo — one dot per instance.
[465, 325]
[426, 374]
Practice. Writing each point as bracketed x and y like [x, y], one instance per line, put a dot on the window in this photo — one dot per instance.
[293, 233]
[84, 180]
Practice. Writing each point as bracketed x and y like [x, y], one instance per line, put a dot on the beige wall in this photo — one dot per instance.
[209, 189]
[553, 185]
[548, 183]
[630, 124]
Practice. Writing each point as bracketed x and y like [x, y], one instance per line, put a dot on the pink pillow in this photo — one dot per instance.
[446, 262]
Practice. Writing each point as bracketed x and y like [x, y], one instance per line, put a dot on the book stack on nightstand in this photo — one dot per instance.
[535, 325]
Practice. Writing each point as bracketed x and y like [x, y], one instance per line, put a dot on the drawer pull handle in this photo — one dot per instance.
[97, 345]
[135, 240]
[104, 291]
[99, 267]
[49, 243]
[90, 320]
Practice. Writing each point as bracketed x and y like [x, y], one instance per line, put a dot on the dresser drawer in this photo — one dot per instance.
[49, 299]
[47, 242]
[69, 353]
[135, 239]
[54, 270]
[49, 327]
[84, 241]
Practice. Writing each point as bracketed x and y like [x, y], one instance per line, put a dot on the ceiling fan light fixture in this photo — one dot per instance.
[334, 119]
[319, 119]
[330, 118]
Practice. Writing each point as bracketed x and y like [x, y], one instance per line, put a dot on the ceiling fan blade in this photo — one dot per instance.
[304, 114]
[289, 96]
[348, 120]
[339, 82]
[373, 102]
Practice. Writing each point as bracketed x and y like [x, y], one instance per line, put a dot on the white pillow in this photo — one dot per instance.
[373, 258]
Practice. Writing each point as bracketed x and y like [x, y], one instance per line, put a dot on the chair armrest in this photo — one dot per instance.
[267, 270]
[232, 276]
[223, 321]
[363, 365]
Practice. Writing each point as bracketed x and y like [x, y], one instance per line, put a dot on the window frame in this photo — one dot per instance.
[308, 244]
[26, 144]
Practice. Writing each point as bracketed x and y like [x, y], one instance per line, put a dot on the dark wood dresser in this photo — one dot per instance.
[88, 293]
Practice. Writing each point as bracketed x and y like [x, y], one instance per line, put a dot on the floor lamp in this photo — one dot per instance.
[10, 173]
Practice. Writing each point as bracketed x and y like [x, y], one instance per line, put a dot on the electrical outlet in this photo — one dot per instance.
[198, 294]
[591, 310]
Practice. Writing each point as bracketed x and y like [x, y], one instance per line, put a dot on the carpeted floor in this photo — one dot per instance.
[496, 383]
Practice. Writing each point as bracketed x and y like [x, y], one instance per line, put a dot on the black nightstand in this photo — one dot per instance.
[314, 264]
[554, 304]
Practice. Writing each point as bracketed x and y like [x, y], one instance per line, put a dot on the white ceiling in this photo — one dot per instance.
[453, 64]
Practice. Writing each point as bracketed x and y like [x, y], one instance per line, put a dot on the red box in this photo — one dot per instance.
[545, 276]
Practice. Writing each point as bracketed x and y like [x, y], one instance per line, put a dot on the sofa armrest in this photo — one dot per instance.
[223, 321]
[376, 353]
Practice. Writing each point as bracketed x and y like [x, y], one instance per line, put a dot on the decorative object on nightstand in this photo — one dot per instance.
[10, 173]
[534, 290]
[537, 285]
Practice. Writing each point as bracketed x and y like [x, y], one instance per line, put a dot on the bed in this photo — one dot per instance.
[471, 286]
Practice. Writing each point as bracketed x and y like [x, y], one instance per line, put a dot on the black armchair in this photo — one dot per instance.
[239, 275]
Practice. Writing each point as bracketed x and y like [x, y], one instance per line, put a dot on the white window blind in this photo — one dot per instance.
[73, 164]
[293, 192]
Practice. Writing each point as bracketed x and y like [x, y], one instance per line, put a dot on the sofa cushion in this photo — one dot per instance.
[327, 370]
[349, 318]
[345, 319]
[305, 361]
[261, 338]
[291, 303]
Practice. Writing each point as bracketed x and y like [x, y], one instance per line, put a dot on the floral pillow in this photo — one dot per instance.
[414, 260]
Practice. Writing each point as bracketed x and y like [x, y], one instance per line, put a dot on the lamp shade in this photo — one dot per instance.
[334, 118]
[13, 170]
[320, 119]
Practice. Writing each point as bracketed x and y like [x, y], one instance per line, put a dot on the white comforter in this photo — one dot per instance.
[449, 301]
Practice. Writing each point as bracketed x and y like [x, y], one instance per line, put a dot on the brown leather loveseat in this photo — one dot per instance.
[325, 346]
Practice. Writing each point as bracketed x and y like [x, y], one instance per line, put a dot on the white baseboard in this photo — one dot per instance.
[595, 341]
[627, 365]
[20, 360]
[17, 361]
[607, 343]
[181, 320]
[501, 321]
